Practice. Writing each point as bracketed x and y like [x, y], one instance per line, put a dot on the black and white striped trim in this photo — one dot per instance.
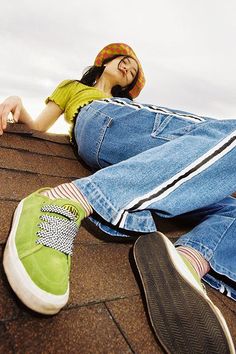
[152, 108]
[57, 232]
[167, 187]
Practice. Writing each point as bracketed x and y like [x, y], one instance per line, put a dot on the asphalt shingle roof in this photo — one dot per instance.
[106, 312]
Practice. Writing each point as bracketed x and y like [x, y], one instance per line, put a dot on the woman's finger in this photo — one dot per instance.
[5, 114]
[1, 112]
[16, 114]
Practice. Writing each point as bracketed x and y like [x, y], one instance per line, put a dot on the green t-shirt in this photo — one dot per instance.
[71, 95]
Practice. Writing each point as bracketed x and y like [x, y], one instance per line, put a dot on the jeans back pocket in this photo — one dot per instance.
[89, 133]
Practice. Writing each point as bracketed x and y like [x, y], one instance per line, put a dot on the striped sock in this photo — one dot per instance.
[69, 191]
[199, 263]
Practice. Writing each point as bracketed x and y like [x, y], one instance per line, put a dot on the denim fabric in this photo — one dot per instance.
[152, 159]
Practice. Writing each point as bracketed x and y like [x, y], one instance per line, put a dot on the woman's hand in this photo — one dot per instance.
[12, 104]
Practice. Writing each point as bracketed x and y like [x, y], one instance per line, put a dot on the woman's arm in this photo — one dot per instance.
[43, 122]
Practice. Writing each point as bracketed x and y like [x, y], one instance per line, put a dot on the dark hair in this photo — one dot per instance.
[93, 73]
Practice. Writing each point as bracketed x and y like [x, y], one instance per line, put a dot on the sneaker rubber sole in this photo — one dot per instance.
[32, 296]
[182, 316]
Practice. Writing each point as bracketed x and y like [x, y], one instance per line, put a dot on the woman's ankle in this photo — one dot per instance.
[199, 263]
[69, 191]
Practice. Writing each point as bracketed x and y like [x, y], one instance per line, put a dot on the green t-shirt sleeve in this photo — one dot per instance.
[61, 95]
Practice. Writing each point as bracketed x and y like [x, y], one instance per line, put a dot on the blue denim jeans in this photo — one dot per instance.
[152, 160]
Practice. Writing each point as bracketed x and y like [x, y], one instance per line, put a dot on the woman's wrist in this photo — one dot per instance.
[26, 118]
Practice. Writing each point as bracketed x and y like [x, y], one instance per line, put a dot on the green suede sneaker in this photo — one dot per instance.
[37, 257]
[183, 317]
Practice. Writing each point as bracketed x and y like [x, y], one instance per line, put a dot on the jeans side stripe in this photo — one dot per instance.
[173, 183]
[152, 108]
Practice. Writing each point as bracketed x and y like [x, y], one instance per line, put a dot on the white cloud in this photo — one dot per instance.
[186, 47]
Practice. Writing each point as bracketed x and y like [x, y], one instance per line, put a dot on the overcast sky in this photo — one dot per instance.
[187, 48]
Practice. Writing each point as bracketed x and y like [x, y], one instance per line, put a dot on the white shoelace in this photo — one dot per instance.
[57, 232]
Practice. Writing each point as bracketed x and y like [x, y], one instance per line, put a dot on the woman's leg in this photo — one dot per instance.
[111, 131]
[181, 176]
[214, 239]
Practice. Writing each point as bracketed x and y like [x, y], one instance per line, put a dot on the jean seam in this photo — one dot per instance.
[220, 240]
[102, 132]
[214, 266]
[92, 186]
[184, 130]
[159, 127]
[101, 138]
[192, 244]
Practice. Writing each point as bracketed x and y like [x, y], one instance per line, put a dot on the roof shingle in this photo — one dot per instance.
[105, 313]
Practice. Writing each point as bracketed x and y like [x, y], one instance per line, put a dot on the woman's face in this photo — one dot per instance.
[122, 70]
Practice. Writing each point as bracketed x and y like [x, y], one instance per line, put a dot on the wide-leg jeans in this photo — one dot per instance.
[152, 160]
